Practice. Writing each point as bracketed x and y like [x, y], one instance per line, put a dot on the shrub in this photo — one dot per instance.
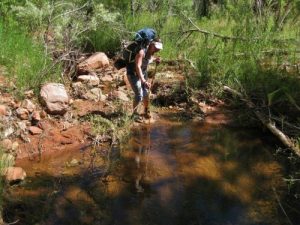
[26, 61]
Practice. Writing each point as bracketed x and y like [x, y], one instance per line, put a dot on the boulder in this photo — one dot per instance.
[96, 61]
[54, 96]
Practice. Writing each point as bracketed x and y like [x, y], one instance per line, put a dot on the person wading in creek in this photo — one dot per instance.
[138, 77]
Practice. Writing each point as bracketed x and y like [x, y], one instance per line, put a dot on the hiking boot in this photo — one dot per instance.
[147, 114]
[137, 118]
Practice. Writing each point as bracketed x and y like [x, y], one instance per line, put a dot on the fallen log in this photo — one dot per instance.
[267, 122]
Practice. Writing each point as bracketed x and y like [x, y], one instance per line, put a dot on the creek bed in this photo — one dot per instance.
[168, 173]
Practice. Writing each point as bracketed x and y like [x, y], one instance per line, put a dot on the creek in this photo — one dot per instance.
[168, 173]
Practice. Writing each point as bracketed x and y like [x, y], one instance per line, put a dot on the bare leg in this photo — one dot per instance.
[146, 103]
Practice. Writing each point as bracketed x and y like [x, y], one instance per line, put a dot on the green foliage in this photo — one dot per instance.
[67, 22]
[118, 127]
[31, 15]
[101, 125]
[106, 39]
[25, 60]
[281, 95]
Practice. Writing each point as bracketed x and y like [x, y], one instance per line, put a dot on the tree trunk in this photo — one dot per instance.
[201, 7]
[258, 7]
[132, 10]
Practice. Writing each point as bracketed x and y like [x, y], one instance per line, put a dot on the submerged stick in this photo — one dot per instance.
[266, 122]
[281, 206]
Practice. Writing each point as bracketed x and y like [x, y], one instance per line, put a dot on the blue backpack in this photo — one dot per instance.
[141, 40]
[145, 36]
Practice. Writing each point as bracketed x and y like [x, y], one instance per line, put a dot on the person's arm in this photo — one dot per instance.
[138, 67]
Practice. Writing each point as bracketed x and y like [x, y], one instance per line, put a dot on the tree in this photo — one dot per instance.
[201, 7]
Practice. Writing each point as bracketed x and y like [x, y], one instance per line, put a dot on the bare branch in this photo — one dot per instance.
[69, 12]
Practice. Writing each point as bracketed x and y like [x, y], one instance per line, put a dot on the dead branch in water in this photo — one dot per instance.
[281, 206]
[267, 122]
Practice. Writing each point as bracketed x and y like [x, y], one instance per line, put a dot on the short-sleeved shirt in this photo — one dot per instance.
[145, 62]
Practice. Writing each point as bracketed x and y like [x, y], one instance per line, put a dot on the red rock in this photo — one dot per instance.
[119, 95]
[3, 110]
[35, 130]
[14, 174]
[43, 114]
[15, 146]
[15, 104]
[22, 125]
[66, 141]
[36, 116]
[22, 113]
[96, 61]
[106, 78]
[90, 79]
[27, 104]
[44, 125]
[54, 96]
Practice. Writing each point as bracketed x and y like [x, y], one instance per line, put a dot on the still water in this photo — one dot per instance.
[169, 173]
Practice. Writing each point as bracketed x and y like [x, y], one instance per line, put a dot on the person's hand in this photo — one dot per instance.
[157, 60]
[146, 84]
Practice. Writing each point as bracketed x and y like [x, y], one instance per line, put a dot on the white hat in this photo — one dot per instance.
[158, 45]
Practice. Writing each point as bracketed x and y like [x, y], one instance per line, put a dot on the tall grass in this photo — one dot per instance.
[252, 62]
[27, 64]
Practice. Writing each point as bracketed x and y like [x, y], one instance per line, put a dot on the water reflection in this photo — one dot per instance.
[200, 175]
[171, 174]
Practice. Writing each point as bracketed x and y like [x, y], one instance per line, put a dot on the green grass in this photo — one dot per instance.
[242, 63]
[104, 39]
[25, 60]
[117, 127]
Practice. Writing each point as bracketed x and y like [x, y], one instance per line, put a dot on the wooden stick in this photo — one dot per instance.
[279, 203]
